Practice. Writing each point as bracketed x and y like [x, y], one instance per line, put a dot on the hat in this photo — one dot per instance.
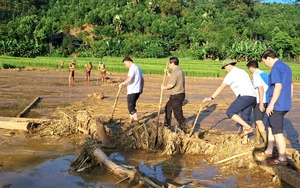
[227, 62]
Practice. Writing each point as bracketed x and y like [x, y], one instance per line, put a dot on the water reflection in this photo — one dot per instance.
[191, 171]
[52, 173]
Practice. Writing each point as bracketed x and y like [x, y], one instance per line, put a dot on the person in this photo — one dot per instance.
[176, 88]
[280, 93]
[135, 85]
[89, 67]
[239, 81]
[260, 83]
[61, 65]
[72, 72]
[102, 69]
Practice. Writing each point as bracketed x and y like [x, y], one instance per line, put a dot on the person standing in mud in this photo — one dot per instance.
[260, 83]
[239, 81]
[72, 72]
[176, 88]
[61, 65]
[280, 94]
[89, 67]
[135, 85]
[102, 70]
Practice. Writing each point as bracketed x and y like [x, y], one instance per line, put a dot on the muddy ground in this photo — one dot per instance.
[19, 88]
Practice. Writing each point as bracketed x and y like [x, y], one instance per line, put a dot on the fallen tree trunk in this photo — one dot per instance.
[132, 175]
[286, 174]
[102, 135]
[24, 124]
[21, 114]
[34, 120]
[91, 155]
[14, 125]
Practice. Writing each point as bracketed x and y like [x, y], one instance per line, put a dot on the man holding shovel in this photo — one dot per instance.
[176, 88]
[135, 85]
[240, 83]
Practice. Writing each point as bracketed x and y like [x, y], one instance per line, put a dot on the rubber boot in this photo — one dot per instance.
[135, 123]
[264, 143]
[183, 127]
[130, 119]
[257, 135]
[167, 122]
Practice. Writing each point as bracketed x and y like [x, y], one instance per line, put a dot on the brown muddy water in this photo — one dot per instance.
[28, 160]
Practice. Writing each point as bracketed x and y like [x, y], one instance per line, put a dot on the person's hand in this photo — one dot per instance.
[207, 99]
[261, 107]
[166, 72]
[162, 87]
[121, 85]
[269, 110]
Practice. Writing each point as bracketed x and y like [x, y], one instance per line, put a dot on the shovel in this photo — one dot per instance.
[161, 94]
[115, 104]
[198, 114]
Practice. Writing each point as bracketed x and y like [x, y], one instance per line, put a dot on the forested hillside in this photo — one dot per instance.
[199, 29]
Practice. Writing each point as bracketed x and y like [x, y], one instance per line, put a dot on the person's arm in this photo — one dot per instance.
[127, 81]
[143, 81]
[169, 86]
[261, 98]
[276, 94]
[215, 94]
[292, 91]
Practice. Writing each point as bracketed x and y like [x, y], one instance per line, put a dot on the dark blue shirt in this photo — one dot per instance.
[281, 73]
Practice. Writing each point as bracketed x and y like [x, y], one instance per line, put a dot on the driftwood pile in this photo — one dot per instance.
[99, 135]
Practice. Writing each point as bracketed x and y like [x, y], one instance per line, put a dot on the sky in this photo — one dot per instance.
[276, 1]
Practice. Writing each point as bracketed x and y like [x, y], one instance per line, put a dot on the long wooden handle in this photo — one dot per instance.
[198, 114]
[161, 94]
[115, 104]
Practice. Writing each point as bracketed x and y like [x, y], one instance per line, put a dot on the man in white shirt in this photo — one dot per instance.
[241, 85]
[135, 85]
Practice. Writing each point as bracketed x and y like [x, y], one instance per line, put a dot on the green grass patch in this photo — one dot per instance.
[193, 68]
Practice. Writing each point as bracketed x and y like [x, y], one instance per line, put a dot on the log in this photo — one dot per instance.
[34, 120]
[285, 173]
[130, 174]
[20, 123]
[21, 114]
[14, 125]
[102, 136]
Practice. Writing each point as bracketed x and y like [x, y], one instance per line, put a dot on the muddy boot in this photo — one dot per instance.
[167, 122]
[257, 135]
[130, 119]
[183, 127]
[135, 123]
[264, 143]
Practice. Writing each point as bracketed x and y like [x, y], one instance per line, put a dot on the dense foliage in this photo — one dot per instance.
[199, 29]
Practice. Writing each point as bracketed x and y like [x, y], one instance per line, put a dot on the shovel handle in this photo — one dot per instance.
[198, 114]
[161, 94]
[115, 104]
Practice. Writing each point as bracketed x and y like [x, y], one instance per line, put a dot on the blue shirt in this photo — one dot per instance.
[261, 79]
[281, 73]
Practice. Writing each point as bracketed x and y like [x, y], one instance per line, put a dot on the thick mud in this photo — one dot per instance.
[24, 153]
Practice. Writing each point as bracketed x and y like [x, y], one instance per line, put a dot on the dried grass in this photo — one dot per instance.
[219, 148]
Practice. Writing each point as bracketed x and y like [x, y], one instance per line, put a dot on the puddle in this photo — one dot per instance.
[54, 173]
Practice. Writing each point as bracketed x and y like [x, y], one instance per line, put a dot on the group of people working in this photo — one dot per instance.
[88, 66]
[266, 94]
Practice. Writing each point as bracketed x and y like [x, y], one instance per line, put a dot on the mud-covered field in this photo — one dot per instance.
[19, 88]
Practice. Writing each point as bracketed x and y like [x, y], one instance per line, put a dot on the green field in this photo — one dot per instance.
[194, 68]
